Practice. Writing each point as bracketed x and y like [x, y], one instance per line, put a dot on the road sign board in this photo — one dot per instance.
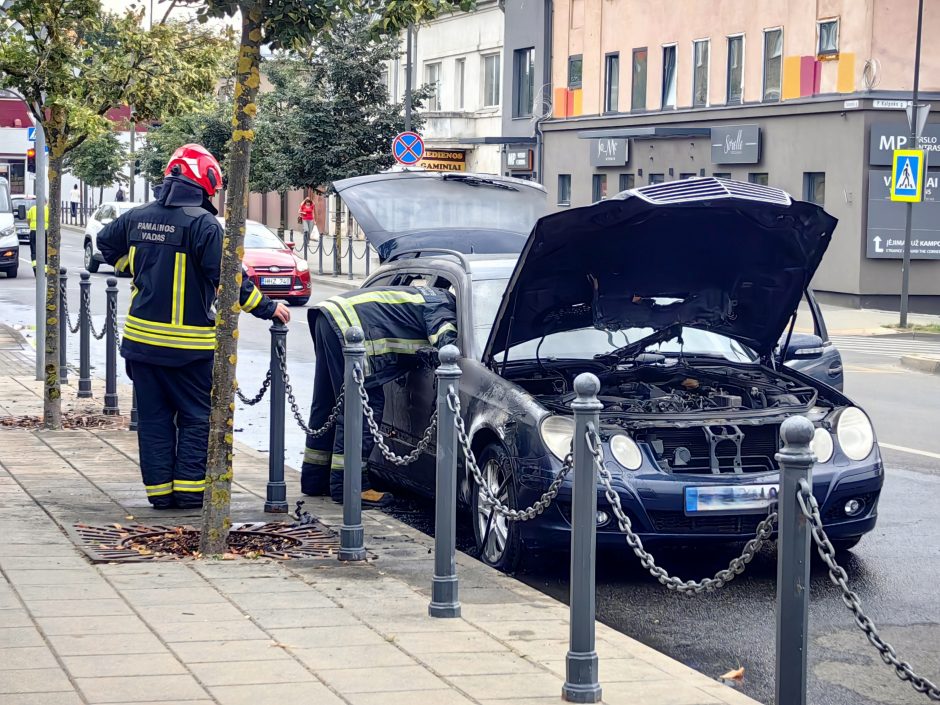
[30, 134]
[408, 148]
[885, 231]
[907, 175]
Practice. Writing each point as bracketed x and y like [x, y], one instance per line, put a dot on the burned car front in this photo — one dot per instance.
[676, 296]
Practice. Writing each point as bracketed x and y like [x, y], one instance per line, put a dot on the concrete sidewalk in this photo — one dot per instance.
[261, 632]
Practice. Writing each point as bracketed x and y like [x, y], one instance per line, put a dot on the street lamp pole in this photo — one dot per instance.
[915, 122]
[408, 61]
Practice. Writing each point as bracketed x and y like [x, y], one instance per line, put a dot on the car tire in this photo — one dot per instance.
[843, 545]
[91, 264]
[11, 273]
[298, 301]
[498, 540]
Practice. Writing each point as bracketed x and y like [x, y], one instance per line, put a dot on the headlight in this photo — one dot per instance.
[7, 233]
[557, 432]
[821, 445]
[302, 265]
[626, 451]
[856, 436]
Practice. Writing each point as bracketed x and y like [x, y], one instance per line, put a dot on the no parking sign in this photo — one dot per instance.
[408, 148]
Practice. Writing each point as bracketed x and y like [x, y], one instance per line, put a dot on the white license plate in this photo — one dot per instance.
[730, 499]
[275, 281]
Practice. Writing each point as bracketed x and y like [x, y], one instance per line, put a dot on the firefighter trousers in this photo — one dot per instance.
[173, 430]
[322, 469]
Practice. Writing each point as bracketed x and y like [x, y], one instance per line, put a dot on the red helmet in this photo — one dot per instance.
[195, 163]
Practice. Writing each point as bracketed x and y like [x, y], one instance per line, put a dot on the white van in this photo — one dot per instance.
[9, 243]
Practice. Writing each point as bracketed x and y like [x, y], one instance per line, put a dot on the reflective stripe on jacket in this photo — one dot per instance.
[396, 320]
[174, 255]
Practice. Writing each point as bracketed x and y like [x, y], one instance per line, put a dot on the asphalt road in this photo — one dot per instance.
[895, 570]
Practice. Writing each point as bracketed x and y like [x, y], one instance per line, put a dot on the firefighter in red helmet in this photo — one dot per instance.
[172, 248]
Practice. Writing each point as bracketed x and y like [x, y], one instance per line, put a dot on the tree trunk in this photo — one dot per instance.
[216, 510]
[338, 236]
[100, 195]
[52, 387]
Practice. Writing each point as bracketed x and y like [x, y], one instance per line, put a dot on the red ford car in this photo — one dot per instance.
[273, 266]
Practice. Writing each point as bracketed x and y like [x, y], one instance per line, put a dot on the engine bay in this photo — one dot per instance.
[668, 387]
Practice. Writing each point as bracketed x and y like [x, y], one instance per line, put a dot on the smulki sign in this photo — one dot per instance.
[736, 144]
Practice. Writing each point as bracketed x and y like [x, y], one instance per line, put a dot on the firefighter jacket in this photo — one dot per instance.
[397, 321]
[173, 249]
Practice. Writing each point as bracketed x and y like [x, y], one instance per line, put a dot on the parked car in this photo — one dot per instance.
[273, 266]
[9, 243]
[676, 296]
[102, 215]
[19, 215]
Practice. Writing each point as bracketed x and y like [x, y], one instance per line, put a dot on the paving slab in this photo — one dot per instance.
[313, 693]
[251, 672]
[140, 689]
[33, 680]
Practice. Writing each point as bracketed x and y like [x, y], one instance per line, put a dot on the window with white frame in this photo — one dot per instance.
[700, 51]
[490, 80]
[669, 76]
[460, 76]
[828, 37]
[773, 63]
[432, 77]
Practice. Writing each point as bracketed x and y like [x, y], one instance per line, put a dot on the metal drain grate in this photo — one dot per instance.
[113, 542]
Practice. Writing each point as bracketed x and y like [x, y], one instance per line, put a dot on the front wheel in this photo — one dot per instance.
[91, 264]
[497, 538]
[298, 301]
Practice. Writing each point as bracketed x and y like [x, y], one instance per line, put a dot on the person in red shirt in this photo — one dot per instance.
[307, 217]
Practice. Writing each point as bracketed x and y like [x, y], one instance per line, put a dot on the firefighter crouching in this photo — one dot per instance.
[400, 324]
[172, 248]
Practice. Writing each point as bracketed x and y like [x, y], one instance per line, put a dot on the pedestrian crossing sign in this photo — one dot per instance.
[907, 175]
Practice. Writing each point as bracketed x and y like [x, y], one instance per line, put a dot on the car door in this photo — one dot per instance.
[826, 367]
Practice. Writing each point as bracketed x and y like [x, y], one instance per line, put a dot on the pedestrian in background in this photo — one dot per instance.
[307, 217]
[119, 196]
[74, 199]
[31, 219]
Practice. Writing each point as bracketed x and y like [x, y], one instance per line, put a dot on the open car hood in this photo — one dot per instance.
[718, 255]
[408, 210]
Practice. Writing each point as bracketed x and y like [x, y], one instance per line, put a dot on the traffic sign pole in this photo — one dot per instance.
[915, 142]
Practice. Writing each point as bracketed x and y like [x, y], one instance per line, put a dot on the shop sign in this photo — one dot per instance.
[886, 219]
[736, 144]
[609, 152]
[889, 136]
[444, 160]
[519, 159]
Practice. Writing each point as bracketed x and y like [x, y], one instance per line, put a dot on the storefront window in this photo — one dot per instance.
[735, 69]
[564, 189]
[722, 174]
[627, 182]
[657, 178]
[687, 175]
[638, 89]
[814, 187]
[758, 178]
[669, 77]
[598, 187]
[773, 63]
[700, 77]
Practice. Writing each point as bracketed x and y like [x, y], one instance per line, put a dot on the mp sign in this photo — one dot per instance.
[887, 137]
[885, 235]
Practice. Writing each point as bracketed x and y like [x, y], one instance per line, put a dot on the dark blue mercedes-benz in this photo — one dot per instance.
[680, 297]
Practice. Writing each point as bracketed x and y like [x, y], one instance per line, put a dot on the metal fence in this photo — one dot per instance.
[356, 256]
[795, 518]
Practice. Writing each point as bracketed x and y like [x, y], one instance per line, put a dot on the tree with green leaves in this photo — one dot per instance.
[278, 24]
[98, 161]
[72, 62]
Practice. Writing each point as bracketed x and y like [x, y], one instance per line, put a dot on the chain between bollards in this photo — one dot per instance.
[444, 586]
[276, 496]
[351, 534]
[796, 463]
[63, 325]
[110, 329]
[581, 668]
[84, 339]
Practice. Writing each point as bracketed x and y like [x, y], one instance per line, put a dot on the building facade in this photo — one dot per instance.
[806, 95]
[460, 56]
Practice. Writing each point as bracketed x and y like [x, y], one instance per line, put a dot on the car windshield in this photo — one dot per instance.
[585, 343]
[257, 236]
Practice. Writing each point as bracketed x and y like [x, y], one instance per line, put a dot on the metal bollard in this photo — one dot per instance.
[84, 336]
[276, 498]
[444, 601]
[368, 259]
[351, 534]
[581, 682]
[63, 326]
[793, 561]
[110, 339]
[350, 256]
[132, 426]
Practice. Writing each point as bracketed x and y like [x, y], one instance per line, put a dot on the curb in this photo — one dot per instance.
[340, 282]
[921, 363]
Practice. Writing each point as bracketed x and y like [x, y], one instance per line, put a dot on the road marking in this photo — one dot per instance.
[913, 451]
[875, 370]
[886, 347]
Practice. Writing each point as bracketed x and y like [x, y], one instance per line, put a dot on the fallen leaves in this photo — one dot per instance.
[70, 420]
[733, 678]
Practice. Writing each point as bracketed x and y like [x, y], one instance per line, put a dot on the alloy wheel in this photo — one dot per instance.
[493, 527]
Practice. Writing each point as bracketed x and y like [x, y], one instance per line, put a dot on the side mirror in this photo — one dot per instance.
[21, 212]
[291, 245]
[804, 346]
